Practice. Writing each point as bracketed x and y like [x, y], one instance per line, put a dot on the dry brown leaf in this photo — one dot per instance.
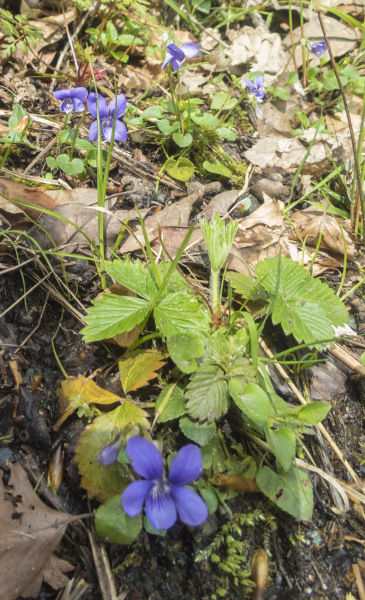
[312, 221]
[29, 533]
[19, 191]
[343, 39]
[52, 573]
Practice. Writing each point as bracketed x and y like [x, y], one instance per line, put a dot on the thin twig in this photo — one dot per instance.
[39, 156]
[352, 136]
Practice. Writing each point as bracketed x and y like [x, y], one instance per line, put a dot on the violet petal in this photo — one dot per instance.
[168, 58]
[121, 103]
[93, 131]
[92, 106]
[61, 94]
[134, 496]
[78, 105]
[80, 93]
[249, 84]
[190, 50]
[145, 458]
[186, 465]
[120, 134]
[176, 52]
[191, 509]
[259, 81]
[65, 106]
[160, 509]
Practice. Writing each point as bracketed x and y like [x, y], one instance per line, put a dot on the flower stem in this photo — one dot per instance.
[76, 134]
[214, 293]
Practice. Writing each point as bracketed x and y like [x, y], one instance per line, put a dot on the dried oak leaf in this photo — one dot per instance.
[29, 533]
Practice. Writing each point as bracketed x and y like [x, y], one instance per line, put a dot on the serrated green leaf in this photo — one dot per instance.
[181, 312]
[217, 168]
[73, 167]
[246, 286]
[218, 237]
[134, 276]
[201, 433]
[223, 101]
[138, 367]
[252, 400]
[113, 314]
[113, 525]
[282, 444]
[181, 169]
[312, 413]
[111, 31]
[304, 306]
[206, 120]
[291, 491]
[207, 393]
[17, 114]
[184, 348]
[175, 407]
[183, 141]
[103, 482]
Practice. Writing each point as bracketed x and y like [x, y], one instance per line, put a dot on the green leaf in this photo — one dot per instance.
[201, 433]
[113, 314]
[126, 39]
[181, 312]
[223, 101]
[51, 162]
[16, 116]
[291, 491]
[66, 135]
[226, 134]
[246, 286]
[183, 141]
[111, 32]
[252, 400]
[312, 413]
[282, 443]
[207, 393]
[175, 407]
[362, 359]
[152, 112]
[184, 348]
[217, 168]
[304, 306]
[165, 127]
[103, 482]
[82, 144]
[73, 167]
[303, 119]
[113, 525]
[281, 93]
[293, 77]
[134, 276]
[210, 497]
[181, 169]
[206, 120]
[138, 367]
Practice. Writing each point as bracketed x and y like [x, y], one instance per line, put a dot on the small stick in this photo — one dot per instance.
[103, 570]
[359, 581]
[39, 156]
[353, 142]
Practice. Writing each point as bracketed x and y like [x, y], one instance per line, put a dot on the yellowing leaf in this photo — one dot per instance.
[138, 367]
[78, 393]
[104, 482]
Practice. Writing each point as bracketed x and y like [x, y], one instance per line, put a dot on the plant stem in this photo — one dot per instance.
[214, 293]
[76, 134]
[172, 92]
[353, 143]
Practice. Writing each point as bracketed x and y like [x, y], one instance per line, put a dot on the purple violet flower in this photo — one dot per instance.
[319, 48]
[164, 499]
[106, 117]
[71, 99]
[109, 454]
[255, 88]
[175, 55]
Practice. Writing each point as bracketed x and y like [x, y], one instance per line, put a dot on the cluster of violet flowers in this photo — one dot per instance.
[74, 100]
[164, 498]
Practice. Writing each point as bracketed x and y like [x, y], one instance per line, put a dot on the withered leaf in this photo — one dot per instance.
[29, 533]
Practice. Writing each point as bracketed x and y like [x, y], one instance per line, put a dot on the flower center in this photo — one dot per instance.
[161, 488]
[69, 104]
[105, 123]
